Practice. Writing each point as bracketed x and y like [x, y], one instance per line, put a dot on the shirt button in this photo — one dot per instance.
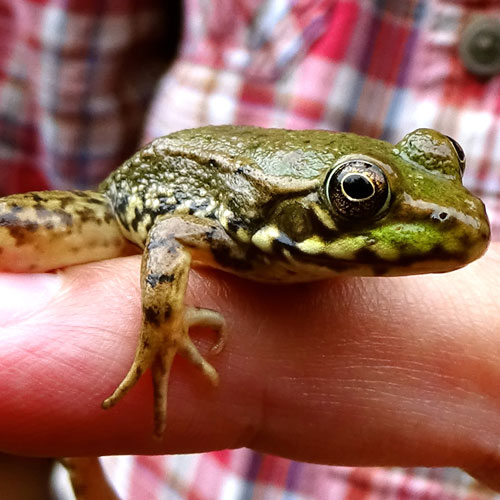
[479, 46]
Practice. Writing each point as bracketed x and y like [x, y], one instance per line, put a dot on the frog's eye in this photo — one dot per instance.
[357, 189]
[460, 153]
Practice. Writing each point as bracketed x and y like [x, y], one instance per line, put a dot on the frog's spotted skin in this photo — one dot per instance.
[287, 231]
[267, 204]
[47, 230]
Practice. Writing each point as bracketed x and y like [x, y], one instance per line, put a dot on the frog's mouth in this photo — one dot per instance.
[389, 250]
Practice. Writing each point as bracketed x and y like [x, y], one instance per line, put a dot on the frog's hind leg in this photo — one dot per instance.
[45, 230]
[88, 479]
[165, 320]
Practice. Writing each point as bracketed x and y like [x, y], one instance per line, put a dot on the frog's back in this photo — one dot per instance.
[185, 173]
[299, 154]
[205, 171]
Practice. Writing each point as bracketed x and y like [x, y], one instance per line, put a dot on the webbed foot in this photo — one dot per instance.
[158, 347]
[165, 318]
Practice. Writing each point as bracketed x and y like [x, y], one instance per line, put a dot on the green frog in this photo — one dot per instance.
[267, 204]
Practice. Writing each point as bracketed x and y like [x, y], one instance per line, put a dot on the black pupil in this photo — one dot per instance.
[357, 187]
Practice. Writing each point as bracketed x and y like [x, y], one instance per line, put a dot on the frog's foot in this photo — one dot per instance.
[207, 318]
[88, 479]
[157, 349]
[193, 316]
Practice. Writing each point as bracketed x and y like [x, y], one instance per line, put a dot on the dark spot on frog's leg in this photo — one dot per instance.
[36, 197]
[167, 278]
[65, 201]
[31, 226]
[109, 217]
[138, 371]
[137, 218]
[66, 218]
[168, 312]
[19, 234]
[154, 279]
[86, 214]
[151, 316]
[16, 209]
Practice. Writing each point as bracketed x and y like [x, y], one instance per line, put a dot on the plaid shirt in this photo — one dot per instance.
[76, 78]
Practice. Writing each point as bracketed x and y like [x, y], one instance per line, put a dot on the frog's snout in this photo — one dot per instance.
[465, 232]
[443, 238]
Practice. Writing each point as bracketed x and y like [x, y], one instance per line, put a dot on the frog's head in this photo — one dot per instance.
[392, 210]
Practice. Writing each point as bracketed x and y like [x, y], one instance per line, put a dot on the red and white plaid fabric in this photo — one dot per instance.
[76, 77]
[71, 101]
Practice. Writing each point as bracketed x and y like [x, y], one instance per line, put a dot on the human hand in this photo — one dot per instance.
[352, 371]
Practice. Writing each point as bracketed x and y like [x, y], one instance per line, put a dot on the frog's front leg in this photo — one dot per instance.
[165, 319]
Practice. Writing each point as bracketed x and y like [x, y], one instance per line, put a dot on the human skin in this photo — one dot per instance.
[351, 371]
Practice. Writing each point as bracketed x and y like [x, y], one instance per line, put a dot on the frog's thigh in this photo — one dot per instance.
[166, 321]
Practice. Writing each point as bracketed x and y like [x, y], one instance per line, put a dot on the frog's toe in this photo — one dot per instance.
[191, 353]
[198, 316]
[157, 348]
[160, 371]
[144, 357]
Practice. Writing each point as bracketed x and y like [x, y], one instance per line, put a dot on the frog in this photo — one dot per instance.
[270, 205]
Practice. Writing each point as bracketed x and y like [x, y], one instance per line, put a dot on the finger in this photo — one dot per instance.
[350, 371]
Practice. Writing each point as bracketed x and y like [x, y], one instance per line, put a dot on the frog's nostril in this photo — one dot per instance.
[440, 216]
